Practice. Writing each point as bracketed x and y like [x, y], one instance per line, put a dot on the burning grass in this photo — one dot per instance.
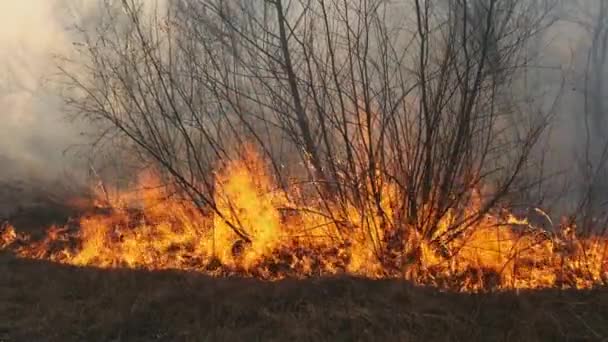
[258, 230]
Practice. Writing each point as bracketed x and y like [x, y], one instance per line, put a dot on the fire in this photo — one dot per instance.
[262, 231]
[245, 196]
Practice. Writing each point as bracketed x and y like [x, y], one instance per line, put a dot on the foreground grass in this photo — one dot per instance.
[41, 301]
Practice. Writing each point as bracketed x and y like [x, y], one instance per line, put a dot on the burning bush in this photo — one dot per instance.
[167, 232]
[312, 140]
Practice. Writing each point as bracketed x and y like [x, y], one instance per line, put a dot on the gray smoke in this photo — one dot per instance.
[35, 137]
[34, 134]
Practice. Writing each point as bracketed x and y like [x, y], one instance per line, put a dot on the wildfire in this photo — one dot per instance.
[280, 234]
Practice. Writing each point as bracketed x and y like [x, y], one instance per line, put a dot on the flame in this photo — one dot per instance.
[282, 235]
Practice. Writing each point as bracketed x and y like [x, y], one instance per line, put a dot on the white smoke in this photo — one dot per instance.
[33, 132]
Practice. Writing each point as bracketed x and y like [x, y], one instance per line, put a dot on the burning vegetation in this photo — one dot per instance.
[259, 230]
[330, 164]
[329, 140]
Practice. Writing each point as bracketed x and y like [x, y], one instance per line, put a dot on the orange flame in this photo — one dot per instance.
[288, 239]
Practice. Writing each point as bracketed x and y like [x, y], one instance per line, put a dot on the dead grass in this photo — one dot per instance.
[41, 301]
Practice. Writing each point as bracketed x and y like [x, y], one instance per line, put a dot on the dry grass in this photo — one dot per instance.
[41, 301]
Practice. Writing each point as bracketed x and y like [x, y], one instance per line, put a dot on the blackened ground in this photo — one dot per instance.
[42, 301]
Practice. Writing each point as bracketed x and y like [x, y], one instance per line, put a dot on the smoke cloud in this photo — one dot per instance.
[34, 134]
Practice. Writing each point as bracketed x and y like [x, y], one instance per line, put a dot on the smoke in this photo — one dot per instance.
[559, 79]
[35, 135]
[39, 146]
[33, 132]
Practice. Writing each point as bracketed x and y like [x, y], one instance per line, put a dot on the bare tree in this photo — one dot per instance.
[409, 95]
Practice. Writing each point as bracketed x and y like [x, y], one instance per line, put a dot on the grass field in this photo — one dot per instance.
[41, 301]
